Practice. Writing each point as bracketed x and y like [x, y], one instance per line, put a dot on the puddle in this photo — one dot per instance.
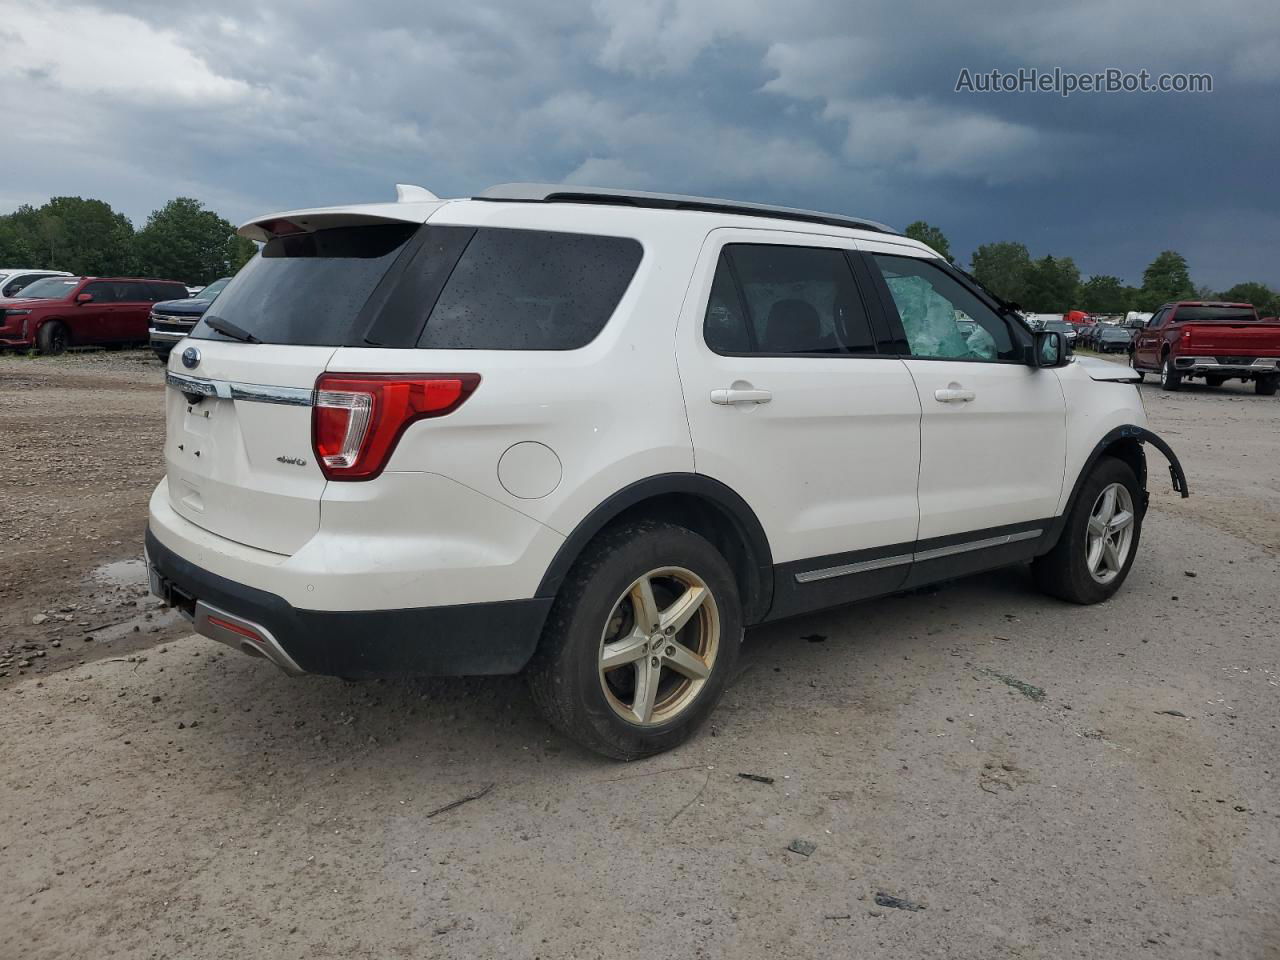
[122, 573]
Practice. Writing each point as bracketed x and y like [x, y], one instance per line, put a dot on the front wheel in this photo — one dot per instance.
[1097, 547]
[641, 641]
[1266, 386]
[52, 339]
[1170, 379]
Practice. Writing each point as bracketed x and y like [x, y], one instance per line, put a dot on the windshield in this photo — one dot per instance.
[1059, 325]
[1230, 314]
[213, 289]
[50, 288]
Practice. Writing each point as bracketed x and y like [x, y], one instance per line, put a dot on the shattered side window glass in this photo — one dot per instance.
[941, 318]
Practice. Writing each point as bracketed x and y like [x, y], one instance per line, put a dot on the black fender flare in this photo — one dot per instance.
[730, 505]
[1128, 431]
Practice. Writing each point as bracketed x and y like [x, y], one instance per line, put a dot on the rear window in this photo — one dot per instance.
[1232, 314]
[531, 290]
[309, 289]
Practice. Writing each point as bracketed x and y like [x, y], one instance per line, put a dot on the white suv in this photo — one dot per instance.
[593, 434]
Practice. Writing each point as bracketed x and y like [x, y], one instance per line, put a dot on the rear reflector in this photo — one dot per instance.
[357, 419]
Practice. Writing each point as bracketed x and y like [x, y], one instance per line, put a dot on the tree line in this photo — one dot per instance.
[1053, 284]
[181, 241]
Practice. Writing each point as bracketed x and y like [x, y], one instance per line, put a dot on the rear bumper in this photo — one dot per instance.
[1233, 367]
[456, 640]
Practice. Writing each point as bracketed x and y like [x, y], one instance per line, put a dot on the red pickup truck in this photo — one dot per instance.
[59, 312]
[1217, 341]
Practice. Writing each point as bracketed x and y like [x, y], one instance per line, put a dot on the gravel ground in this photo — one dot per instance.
[1043, 780]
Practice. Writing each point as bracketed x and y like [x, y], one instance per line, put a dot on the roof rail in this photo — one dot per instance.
[565, 193]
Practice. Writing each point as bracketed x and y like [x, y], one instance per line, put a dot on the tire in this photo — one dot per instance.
[1215, 381]
[601, 603]
[1266, 386]
[1170, 379]
[52, 339]
[1065, 571]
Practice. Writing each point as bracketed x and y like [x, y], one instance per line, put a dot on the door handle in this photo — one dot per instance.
[740, 395]
[953, 394]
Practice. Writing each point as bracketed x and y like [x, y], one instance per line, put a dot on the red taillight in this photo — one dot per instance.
[358, 418]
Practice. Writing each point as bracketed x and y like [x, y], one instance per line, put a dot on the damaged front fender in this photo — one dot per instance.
[1143, 435]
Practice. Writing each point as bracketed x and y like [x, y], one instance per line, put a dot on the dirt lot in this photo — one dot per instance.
[1008, 763]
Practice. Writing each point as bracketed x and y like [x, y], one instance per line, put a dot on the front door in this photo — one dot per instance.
[1146, 343]
[792, 406]
[993, 429]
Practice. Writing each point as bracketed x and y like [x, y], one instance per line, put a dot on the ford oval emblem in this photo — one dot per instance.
[191, 358]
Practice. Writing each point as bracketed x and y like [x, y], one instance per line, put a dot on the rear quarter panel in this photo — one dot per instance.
[611, 412]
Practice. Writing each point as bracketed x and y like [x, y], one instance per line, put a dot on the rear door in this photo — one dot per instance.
[238, 451]
[791, 405]
[131, 316]
[993, 429]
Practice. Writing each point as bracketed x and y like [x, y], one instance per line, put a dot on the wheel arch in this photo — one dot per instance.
[1126, 443]
[699, 503]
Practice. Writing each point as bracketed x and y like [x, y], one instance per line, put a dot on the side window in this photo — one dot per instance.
[725, 325]
[793, 300]
[101, 292]
[1157, 318]
[17, 283]
[942, 318]
[136, 292]
[531, 290]
[166, 291]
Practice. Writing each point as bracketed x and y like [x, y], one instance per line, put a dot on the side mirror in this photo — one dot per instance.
[84, 298]
[1050, 349]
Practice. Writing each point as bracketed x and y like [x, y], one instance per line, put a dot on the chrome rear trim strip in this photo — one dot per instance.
[228, 390]
[866, 566]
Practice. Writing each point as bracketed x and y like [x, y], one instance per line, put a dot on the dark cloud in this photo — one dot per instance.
[253, 107]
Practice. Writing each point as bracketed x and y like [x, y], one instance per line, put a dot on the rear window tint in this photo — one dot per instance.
[1232, 314]
[309, 289]
[167, 291]
[531, 290]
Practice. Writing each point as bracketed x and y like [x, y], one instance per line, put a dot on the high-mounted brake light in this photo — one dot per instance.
[357, 419]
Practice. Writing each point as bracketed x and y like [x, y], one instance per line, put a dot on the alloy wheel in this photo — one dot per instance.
[659, 646]
[1110, 537]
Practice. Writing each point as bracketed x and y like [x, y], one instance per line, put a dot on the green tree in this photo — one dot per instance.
[184, 241]
[1053, 285]
[1259, 294]
[16, 249]
[1003, 267]
[83, 236]
[241, 250]
[928, 234]
[1166, 278]
[1103, 294]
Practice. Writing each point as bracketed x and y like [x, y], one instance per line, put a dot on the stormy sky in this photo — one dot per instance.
[253, 106]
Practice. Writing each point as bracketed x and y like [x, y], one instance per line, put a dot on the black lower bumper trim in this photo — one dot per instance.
[469, 639]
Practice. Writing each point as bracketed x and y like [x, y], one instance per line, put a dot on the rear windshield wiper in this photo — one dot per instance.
[227, 328]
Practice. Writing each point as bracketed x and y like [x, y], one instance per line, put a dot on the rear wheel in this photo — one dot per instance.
[1266, 386]
[1093, 556]
[1170, 379]
[52, 339]
[641, 641]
